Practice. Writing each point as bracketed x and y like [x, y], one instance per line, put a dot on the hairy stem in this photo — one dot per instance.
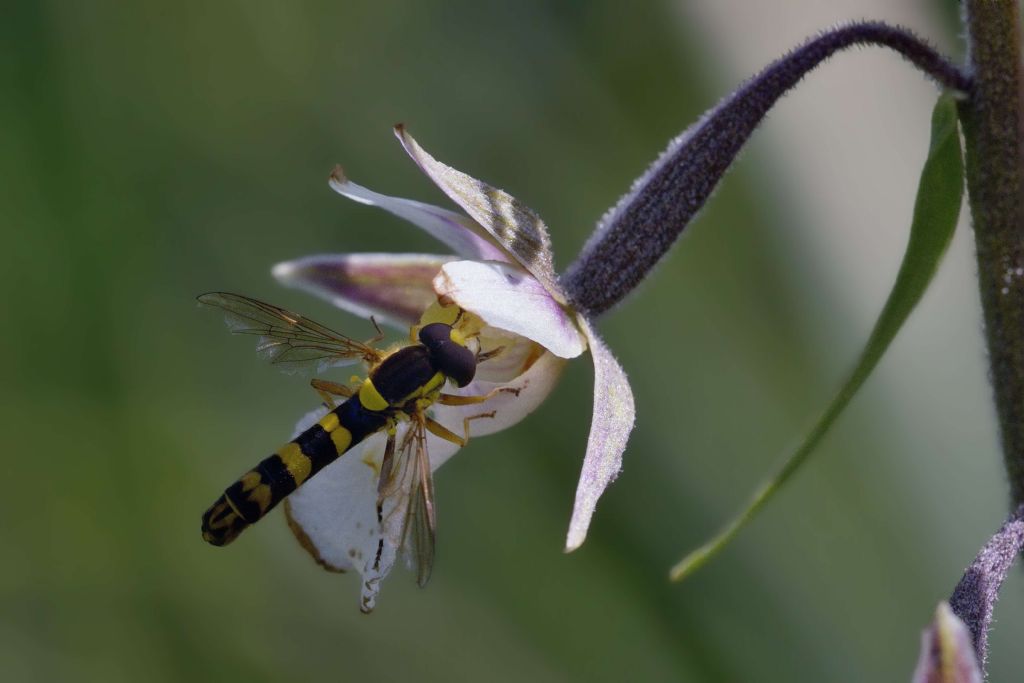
[993, 131]
[643, 226]
[974, 598]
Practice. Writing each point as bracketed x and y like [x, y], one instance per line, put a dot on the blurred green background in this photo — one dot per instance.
[152, 152]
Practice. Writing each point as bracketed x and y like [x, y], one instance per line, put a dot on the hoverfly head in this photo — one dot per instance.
[448, 350]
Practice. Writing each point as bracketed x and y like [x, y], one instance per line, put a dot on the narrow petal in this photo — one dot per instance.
[511, 402]
[334, 514]
[462, 235]
[394, 288]
[510, 299]
[947, 654]
[612, 422]
[514, 225]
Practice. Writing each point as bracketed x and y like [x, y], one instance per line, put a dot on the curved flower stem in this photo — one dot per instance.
[642, 227]
[974, 598]
[993, 121]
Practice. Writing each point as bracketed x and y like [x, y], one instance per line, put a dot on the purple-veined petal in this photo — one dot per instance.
[334, 514]
[614, 413]
[394, 288]
[509, 407]
[947, 653]
[463, 236]
[514, 225]
[510, 299]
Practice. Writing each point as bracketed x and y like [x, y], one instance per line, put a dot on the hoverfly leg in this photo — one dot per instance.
[328, 390]
[439, 430]
[465, 422]
[456, 400]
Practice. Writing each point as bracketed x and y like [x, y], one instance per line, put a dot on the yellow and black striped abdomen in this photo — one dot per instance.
[261, 488]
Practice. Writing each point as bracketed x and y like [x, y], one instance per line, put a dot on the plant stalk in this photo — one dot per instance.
[994, 130]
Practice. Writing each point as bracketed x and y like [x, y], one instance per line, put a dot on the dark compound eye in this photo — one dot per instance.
[435, 334]
[453, 359]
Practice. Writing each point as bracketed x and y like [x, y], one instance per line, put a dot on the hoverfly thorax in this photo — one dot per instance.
[448, 351]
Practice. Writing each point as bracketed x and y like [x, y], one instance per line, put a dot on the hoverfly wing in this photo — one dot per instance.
[287, 339]
[406, 495]
[420, 522]
[421, 527]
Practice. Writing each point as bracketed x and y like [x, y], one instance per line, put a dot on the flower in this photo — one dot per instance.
[502, 273]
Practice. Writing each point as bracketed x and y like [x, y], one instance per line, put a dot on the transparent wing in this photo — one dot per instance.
[288, 339]
[421, 522]
[406, 492]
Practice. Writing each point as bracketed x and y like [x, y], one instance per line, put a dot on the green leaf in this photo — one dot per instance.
[936, 211]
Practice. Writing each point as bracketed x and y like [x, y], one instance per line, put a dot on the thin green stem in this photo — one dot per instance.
[935, 214]
[993, 121]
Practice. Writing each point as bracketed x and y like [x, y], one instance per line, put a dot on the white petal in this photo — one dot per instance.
[334, 514]
[614, 413]
[513, 224]
[510, 299]
[394, 288]
[509, 407]
[463, 236]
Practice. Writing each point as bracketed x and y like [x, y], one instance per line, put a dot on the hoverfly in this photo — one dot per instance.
[399, 387]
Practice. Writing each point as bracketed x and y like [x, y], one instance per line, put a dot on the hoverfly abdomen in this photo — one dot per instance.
[222, 523]
[260, 489]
